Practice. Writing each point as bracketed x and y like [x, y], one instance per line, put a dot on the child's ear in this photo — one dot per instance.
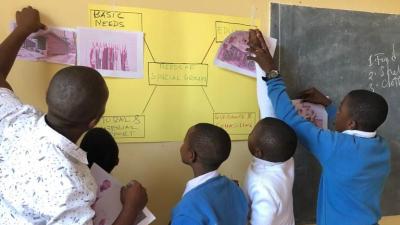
[352, 125]
[258, 153]
[93, 123]
[193, 156]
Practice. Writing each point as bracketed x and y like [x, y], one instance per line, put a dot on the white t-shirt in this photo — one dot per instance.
[268, 188]
[44, 177]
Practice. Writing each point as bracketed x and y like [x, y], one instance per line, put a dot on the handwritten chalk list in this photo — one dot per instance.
[384, 70]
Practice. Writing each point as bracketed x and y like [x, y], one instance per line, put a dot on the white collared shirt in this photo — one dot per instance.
[44, 177]
[360, 133]
[268, 188]
[195, 182]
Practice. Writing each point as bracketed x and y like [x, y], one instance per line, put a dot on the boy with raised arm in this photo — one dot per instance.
[355, 160]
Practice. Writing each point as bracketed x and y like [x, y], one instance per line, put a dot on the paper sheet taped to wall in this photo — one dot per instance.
[181, 85]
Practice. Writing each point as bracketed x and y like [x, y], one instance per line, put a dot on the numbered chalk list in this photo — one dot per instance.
[338, 51]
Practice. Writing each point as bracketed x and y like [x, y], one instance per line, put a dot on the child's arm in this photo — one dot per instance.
[264, 103]
[28, 21]
[320, 142]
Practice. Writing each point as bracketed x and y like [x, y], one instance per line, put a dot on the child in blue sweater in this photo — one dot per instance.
[209, 198]
[355, 160]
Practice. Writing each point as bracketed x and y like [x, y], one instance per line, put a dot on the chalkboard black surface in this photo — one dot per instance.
[338, 51]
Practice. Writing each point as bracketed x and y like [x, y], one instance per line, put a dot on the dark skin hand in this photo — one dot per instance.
[260, 52]
[313, 95]
[133, 199]
[28, 22]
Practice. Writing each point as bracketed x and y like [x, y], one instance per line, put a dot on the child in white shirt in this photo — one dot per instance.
[269, 178]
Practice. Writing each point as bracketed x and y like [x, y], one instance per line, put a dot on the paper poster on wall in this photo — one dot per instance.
[54, 45]
[181, 85]
[232, 54]
[108, 204]
[112, 53]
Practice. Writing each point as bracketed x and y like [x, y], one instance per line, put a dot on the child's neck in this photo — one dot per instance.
[199, 170]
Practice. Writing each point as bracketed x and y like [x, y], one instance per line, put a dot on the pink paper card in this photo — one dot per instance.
[232, 54]
[54, 45]
[312, 112]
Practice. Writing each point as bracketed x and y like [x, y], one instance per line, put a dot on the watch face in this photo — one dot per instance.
[273, 74]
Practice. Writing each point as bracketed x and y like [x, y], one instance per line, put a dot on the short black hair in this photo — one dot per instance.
[368, 109]
[212, 144]
[101, 148]
[76, 95]
[276, 139]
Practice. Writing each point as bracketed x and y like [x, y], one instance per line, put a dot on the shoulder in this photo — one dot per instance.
[9, 101]
[13, 113]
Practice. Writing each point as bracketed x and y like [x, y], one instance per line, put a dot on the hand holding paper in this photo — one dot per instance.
[108, 207]
[260, 53]
[313, 95]
[134, 196]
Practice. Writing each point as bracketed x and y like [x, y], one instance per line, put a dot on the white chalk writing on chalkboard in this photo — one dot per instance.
[384, 70]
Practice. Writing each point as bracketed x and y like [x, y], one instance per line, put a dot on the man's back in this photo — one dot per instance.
[217, 201]
[43, 175]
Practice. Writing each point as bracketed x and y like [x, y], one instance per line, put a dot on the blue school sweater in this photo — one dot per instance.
[354, 169]
[218, 201]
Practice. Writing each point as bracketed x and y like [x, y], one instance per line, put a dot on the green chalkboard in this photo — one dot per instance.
[338, 51]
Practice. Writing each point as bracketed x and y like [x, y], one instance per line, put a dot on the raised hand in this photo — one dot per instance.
[28, 20]
[259, 51]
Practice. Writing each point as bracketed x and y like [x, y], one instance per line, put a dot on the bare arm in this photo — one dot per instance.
[28, 21]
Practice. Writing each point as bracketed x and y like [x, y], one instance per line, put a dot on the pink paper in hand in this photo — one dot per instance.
[232, 54]
[312, 112]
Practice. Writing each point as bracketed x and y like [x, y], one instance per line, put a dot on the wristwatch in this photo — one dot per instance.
[271, 75]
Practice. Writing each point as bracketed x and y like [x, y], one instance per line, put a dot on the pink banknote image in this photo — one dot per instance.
[232, 54]
[312, 112]
[106, 184]
[112, 53]
[54, 45]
